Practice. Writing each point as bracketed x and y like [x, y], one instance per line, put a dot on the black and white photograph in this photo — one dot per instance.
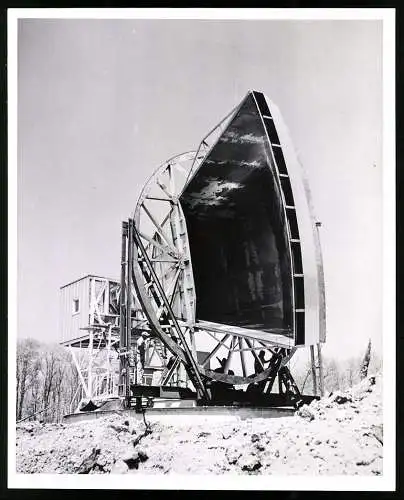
[201, 244]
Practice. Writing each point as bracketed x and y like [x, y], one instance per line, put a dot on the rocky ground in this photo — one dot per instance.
[341, 434]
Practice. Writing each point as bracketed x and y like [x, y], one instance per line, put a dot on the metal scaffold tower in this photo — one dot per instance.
[94, 350]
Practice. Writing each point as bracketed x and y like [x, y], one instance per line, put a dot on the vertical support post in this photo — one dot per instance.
[84, 386]
[90, 365]
[230, 355]
[192, 341]
[129, 269]
[313, 369]
[136, 360]
[107, 296]
[242, 357]
[109, 367]
[92, 300]
[320, 368]
[122, 322]
[280, 386]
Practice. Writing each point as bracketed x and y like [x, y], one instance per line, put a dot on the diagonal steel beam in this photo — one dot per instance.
[219, 345]
[158, 228]
[242, 357]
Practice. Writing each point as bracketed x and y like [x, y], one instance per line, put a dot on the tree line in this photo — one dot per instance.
[46, 381]
[340, 374]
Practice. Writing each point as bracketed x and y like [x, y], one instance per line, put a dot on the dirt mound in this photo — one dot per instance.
[341, 434]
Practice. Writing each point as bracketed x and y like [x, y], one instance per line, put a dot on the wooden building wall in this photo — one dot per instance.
[70, 322]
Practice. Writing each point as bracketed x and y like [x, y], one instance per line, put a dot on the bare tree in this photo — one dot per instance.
[376, 362]
[46, 380]
[49, 374]
[332, 375]
[351, 372]
[34, 395]
[71, 387]
[366, 360]
[27, 350]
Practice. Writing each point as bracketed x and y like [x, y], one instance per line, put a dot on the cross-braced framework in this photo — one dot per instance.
[95, 353]
[97, 365]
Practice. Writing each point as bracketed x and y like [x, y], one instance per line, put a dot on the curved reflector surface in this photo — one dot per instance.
[237, 221]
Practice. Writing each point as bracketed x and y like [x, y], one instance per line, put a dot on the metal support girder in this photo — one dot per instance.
[159, 229]
[275, 362]
[216, 348]
[156, 324]
[317, 369]
[78, 368]
[122, 322]
[90, 365]
[170, 372]
[249, 343]
[230, 355]
[203, 141]
[320, 369]
[128, 326]
[291, 388]
[242, 357]
[313, 369]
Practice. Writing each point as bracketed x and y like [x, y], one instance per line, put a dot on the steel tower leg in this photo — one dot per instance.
[313, 369]
[128, 328]
[320, 368]
[122, 323]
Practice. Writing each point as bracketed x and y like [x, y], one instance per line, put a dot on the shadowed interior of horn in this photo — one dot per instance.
[238, 233]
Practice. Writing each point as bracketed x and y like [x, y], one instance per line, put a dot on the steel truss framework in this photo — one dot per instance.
[95, 353]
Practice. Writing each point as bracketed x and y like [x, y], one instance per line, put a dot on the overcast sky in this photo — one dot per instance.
[101, 103]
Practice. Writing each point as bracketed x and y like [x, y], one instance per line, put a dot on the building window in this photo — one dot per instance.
[76, 306]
